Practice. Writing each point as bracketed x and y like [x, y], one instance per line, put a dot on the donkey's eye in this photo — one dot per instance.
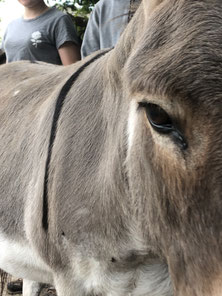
[158, 118]
[162, 123]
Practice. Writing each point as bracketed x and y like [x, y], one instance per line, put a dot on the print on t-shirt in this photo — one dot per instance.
[36, 38]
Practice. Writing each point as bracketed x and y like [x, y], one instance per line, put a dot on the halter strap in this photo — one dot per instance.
[58, 108]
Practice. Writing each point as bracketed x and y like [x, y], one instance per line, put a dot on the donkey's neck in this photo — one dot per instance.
[113, 181]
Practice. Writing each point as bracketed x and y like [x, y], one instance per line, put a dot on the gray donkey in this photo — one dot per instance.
[111, 169]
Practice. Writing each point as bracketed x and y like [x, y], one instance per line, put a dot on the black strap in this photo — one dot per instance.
[58, 108]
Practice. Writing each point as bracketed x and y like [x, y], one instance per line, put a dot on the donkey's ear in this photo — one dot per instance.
[151, 5]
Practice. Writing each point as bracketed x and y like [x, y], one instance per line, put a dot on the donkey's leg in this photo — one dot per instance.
[31, 288]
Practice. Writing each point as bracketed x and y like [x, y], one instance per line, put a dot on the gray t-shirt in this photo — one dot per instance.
[106, 23]
[39, 39]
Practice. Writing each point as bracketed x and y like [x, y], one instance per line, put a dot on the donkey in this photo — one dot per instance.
[111, 169]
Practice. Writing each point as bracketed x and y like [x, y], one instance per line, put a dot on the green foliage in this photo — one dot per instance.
[79, 10]
[82, 7]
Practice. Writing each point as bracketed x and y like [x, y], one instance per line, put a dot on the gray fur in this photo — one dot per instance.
[123, 219]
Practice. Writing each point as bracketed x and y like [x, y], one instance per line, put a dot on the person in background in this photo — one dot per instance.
[106, 23]
[42, 34]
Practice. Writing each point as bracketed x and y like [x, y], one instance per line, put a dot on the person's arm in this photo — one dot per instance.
[69, 53]
[66, 40]
[91, 38]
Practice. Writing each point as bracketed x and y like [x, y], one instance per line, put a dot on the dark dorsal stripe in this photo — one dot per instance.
[59, 104]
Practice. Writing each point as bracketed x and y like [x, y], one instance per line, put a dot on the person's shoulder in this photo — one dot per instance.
[54, 16]
[15, 22]
[102, 3]
[102, 7]
[107, 5]
[54, 13]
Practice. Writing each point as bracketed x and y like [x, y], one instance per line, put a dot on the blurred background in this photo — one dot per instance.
[78, 9]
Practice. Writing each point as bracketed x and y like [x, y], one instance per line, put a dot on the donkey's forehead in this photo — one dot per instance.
[180, 53]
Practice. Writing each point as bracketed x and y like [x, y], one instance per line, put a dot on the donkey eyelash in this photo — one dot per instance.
[162, 123]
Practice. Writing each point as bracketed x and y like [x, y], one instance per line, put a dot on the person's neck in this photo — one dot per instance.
[33, 12]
